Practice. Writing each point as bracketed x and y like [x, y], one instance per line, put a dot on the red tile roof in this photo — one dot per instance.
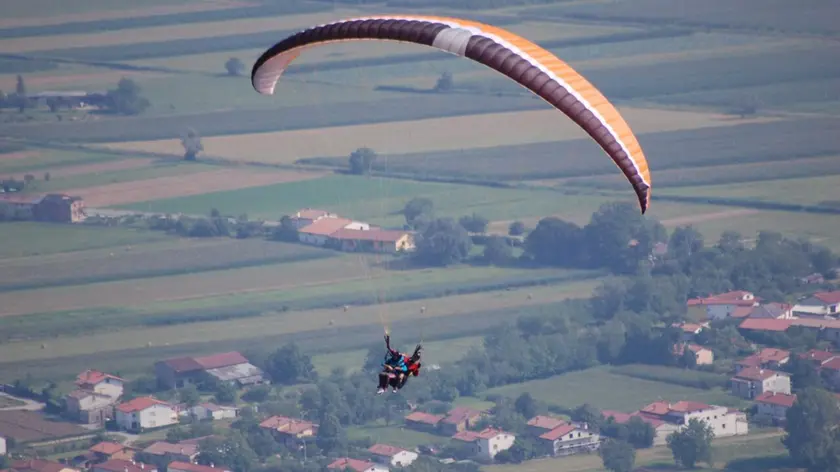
[325, 226]
[832, 364]
[311, 214]
[490, 433]
[545, 422]
[816, 323]
[818, 355]
[182, 364]
[558, 433]
[224, 359]
[730, 298]
[352, 464]
[120, 465]
[107, 448]
[461, 414]
[742, 311]
[689, 328]
[755, 374]
[38, 465]
[186, 466]
[657, 408]
[93, 377]
[619, 416]
[283, 424]
[689, 407]
[140, 404]
[466, 436]
[649, 419]
[829, 298]
[425, 418]
[773, 398]
[378, 235]
[385, 450]
[161, 448]
[766, 324]
[765, 356]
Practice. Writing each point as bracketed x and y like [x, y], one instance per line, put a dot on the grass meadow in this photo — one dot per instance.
[24, 239]
[609, 391]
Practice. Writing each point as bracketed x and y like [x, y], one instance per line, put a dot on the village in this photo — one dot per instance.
[100, 412]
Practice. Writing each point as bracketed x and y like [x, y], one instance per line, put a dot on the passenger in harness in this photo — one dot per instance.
[396, 368]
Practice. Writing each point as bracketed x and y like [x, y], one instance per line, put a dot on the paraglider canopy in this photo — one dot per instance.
[521, 60]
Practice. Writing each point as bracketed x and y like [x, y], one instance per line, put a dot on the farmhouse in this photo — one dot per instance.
[818, 356]
[718, 307]
[459, 419]
[662, 429]
[355, 465]
[423, 421]
[774, 406]
[211, 411]
[319, 232]
[690, 330]
[820, 304]
[144, 413]
[724, 422]
[28, 428]
[307, 216]
[39, 465]
[540, 425]
[488, 442]
[373, 240]
[60, 208]
[392, 455]
[700, 354]
[178, 466]
[571, 439]
[753, 381]
[183, 452]
[106, 450]
[93, 400]
[289, 431]
[230, 367]
[767, 358]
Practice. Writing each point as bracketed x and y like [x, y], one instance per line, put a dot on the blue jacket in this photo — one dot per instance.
[395, 361]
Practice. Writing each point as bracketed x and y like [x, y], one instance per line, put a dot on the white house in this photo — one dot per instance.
[145, 413]
[774, 406]
[571, 439]
[356, 465]
[392, 455]
[358, 225]
[820, 303]
[724, 422]
[751, 382]
[178, 466]
[661, 428]
[318, 233]
[3, 449]
[488, 442]
[725, 305]
[211, 411]
[100, 382]
[307, 216]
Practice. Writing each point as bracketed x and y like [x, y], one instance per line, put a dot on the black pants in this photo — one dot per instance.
[385, 380]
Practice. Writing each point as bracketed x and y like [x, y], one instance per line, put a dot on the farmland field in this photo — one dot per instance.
[76, 10]
[24, 239]
[453, 133]
[807, 191]
[609, 391]
[37, 161]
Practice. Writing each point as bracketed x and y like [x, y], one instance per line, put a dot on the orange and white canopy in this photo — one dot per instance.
[531, 66]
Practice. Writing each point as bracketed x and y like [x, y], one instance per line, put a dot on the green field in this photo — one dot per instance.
[58, 183]
[806, 191]
[23, 239]
[393, 435]
[609, 391]
[37, 161]
[38, 8]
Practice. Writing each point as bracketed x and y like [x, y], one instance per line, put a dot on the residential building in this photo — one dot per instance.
[144, 413]
[374, 240]
[827, 328]
[14, 206]
[356, 465]
[818, 356]
[89, 407]
[488, 442]
[3, 448]
[571, 439]
[100, 382]
[180, 466]
[290, 431]
[690, 330]
[820, 303]
[718, 307]
[319, 232]
[392, 455]
[307, 216]
[815, 278]
[39, 465]
[183, 452]
[766, 325]
[701, 355]
[776, 311]
[60, 208]
[459, 419]
[753, 381]
[107, 450]
[774, 406]
[539, 425]
[228, 366]
[724, 421]
[120, 465]
[662, 429]
[767, 358]
[423, 421]
[831, 373]
[211, 411]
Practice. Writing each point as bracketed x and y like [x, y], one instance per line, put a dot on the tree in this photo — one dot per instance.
[231, 451]
[331, 436]
[803, 373]
[812, 436]
[191, 142]
[639, 433]
[497, 250]
[443, 242]
[617, 455]
[288, 365]
[225, 393]
[28, 179]
[20, 93]
[361, 160]
[685, 241]
[46, 176]
[692, 444]
[234, 66]
[416, 207]
[189, 395]
[445, 82]
[556, 242]
[517, 228]
[285, 231]
[527, 406]
[474, 223]
[126, 99]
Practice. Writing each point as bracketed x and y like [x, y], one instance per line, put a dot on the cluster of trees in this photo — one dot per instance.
[18, 99]
[125, 99]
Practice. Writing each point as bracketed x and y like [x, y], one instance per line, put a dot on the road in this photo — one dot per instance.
[30, 405]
